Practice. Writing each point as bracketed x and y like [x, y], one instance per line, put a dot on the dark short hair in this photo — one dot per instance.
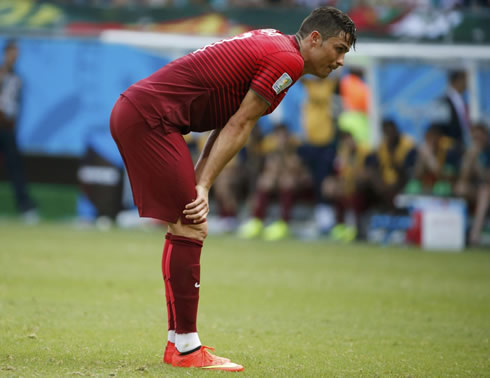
[329, 22]
[389, 123]
[10, 44]
[456, 75]
[435, 128]
[281, 127]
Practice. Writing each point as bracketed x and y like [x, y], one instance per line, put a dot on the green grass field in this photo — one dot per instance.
[85, 302]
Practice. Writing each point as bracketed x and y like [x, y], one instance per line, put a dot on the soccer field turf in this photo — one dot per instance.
[86, 302]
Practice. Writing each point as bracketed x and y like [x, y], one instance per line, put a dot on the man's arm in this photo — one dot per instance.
[469, 163]
[203, 158]
[227, 143]
[8, 117]
[425, 159]
[232, 137]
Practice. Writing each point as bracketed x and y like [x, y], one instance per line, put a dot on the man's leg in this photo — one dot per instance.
[265, 186]
[170, 348]
[184, 280]
[280, 229]
[482, 204]
[166, 247]
[13, 162]
[153, 156]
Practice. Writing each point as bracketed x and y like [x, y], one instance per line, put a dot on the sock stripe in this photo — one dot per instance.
[170, 291]
[165, 272]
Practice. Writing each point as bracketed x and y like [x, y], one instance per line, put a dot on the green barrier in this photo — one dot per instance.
[442, 188]
[54, 201]
[413, 187]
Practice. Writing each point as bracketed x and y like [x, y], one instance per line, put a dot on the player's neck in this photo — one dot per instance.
[302, 50]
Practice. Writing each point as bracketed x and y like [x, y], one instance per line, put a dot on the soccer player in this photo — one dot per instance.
[225, 87]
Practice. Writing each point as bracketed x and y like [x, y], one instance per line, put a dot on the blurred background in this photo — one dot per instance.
[391, 149]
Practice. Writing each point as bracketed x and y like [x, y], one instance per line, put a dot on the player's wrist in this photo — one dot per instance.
[204, 185]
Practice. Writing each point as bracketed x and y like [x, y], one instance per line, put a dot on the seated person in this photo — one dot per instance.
[437, 160]
[473, 182]
[282, 175]
[343, 188]
[228, 189]
[318, 147]
[389, 168]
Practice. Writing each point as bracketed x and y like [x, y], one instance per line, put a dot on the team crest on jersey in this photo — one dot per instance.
[282, 83]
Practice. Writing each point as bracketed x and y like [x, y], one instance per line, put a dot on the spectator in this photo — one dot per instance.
[319, 148]
[437, 159]
[284, 176]
[230, 186]
[10, 89]
[390, 167]
[312, 4]
[476, 3]
[457, 122]
[364, 15]
[228, 190]
[473, 183]
[354, 91]
[355, 101]
[344, 188]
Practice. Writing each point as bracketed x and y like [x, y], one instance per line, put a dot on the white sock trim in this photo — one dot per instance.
[171, 336]
[185, 342]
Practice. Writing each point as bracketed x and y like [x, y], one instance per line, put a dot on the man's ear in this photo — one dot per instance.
[316, 38]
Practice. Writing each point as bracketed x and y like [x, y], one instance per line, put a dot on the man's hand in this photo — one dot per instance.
[198, 209]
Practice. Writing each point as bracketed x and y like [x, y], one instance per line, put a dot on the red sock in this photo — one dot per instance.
[225, 210]
[184, 274]
[170, 313]
[226, 213]
[286, 199]
[261, 203]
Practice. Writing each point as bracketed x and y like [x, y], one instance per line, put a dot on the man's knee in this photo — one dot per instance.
[194, 231]
[201, 229]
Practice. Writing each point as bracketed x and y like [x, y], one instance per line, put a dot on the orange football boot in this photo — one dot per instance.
[170, 350]
[201, 358]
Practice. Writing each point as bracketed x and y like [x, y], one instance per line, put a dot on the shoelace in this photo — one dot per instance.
[210, 357]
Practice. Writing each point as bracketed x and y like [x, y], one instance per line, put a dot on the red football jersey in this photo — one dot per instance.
[202, 90]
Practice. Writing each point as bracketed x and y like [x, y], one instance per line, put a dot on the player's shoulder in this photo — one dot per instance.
[279, 47]
[274, 40]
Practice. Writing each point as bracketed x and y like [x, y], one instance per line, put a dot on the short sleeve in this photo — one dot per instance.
[276, 73]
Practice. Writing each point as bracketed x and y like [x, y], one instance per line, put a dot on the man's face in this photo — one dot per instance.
[348, 141]
[11, 55]
[432, 139]
[480, 137]
[327, 55]
[390, 134]
[461, 84]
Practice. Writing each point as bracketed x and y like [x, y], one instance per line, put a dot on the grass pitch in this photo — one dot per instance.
[84, 302]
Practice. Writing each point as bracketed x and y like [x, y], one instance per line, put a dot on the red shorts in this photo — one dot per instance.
[158, 162]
